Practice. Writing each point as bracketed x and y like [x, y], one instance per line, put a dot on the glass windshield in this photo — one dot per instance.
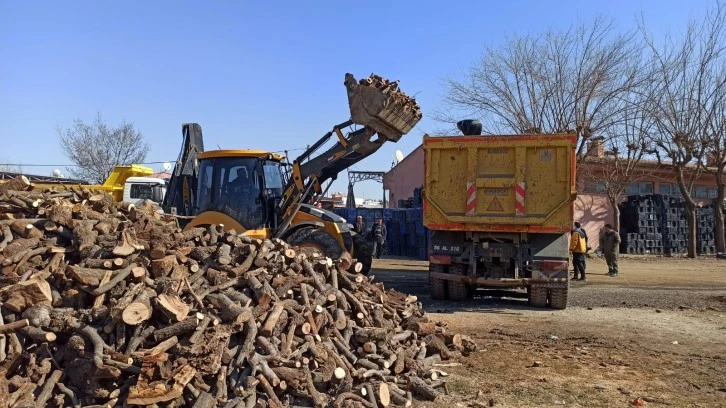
[273, 178]
[231, 185]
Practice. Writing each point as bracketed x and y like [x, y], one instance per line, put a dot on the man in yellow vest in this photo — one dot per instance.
[578, 247]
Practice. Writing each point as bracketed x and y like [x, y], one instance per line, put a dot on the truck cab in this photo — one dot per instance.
[138, 189]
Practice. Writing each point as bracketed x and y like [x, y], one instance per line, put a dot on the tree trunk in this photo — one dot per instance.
[718, 214]
[691, 217]
[719, 229]
[690, 212]
[616, 213]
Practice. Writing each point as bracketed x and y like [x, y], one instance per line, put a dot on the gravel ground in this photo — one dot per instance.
[600, 296]
[411, 277]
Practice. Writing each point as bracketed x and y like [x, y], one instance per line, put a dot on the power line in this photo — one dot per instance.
[109, 164]
[76, 165]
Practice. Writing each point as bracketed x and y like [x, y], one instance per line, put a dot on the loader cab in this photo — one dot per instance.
[244, 185]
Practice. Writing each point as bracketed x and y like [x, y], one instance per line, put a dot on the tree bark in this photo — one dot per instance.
[616, 213]
[690, 212]
[718, 213]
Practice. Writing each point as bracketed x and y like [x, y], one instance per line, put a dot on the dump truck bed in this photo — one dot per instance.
[518, 183]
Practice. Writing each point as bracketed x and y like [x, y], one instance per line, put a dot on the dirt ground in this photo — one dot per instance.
[657, 333]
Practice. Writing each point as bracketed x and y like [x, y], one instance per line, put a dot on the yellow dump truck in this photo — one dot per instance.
[130, 183]
[500, 209]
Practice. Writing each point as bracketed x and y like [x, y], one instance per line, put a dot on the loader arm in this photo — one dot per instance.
[384, 113]
[181, 193]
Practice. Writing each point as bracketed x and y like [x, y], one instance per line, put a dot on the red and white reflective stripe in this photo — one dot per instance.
[519, 196]
[470, 198]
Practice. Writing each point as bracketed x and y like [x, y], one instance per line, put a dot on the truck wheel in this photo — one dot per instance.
[458, 290]
[362, 252]
[437, 287]
[538, 297]
[318, 239]
[558, 298]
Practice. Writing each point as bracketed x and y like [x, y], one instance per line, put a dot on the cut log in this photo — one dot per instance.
[37, 334]
[19, 183]
[19, 245]
[384, 395]
[86, 276]
[188, 325]
[231, 312]
[272, 318]
[138, 311]
[423, 328]
[172, 307]
[12, 326]
[128, 244]
[139, 273]
[345, 261]
[163, 267]
[25, 229]
[423, 390]
[33, 292]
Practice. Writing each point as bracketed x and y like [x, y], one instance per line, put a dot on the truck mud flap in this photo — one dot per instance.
[506, 282]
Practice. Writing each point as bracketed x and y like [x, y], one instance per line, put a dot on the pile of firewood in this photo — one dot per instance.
[107, 304]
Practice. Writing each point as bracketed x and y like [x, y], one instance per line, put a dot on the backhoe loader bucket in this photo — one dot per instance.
[379, 104]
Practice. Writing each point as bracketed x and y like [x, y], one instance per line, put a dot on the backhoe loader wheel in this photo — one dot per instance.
[318, 239]
[362, 252]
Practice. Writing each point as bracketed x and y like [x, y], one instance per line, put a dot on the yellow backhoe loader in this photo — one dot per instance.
[262, 195]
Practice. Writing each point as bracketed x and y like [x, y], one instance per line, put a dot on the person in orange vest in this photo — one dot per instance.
[578, 247]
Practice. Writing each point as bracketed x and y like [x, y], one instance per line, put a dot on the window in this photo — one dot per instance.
[231, 186]
[704, 192]
[639, 188]
[142, 192]
[273, 178]
[595, 186]
[669, 189]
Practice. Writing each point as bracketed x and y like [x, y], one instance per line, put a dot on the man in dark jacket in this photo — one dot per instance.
[360, 226]
[379, 237]
[610, 245]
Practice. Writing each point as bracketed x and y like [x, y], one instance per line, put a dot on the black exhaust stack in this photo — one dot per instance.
[469, 127]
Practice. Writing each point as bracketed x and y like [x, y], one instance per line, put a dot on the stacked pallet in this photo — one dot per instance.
[640, 225]
[705, 237]
[675, 226]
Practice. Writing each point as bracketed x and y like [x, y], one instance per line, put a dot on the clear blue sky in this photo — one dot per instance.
[263, 74]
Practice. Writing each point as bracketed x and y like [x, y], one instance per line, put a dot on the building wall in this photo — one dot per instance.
[593, 211]
[405, 177]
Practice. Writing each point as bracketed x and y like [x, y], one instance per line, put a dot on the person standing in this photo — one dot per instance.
[360, 226]
[610, 245]
[578, 247]
[379, 237]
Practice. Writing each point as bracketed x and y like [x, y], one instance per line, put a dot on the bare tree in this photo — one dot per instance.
[97, 148]
[629, 143]
[683, 99]
[715, 164]
[551, 82]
